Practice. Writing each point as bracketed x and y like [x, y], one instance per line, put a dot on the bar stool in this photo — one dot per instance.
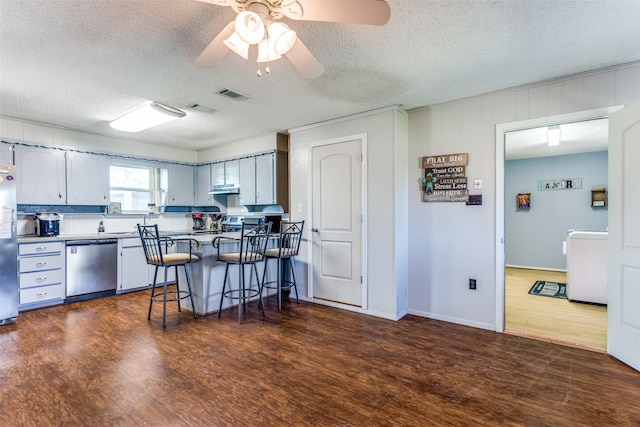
[251, 247]
[288, 247]
[155, 250]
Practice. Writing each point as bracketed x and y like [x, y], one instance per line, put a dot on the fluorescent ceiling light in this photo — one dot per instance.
[150, 115]
[553, 135]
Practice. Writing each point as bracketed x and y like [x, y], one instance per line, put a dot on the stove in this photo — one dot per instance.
[232, 223]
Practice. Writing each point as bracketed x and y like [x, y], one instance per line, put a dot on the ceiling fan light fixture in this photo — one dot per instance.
[282, 37]
[150, 115]
[266, 52]
[249, 27]
[236, 44]
[553, 135]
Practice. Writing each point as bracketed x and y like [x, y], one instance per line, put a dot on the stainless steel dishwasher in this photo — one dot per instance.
[92, 268]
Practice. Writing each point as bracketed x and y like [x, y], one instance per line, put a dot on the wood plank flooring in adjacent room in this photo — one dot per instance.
[552, 319]
[102, 363]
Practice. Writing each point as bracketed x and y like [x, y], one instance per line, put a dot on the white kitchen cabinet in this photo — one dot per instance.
[133, 270]
[232, 172]
[6, 154]
[41, 269]
[247, 194]
[181, 185]
[40, 176]
[265, 180]
[87, 179]
[225, 172]
[203, 185]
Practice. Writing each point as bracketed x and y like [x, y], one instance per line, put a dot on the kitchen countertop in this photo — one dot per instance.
[113, 235]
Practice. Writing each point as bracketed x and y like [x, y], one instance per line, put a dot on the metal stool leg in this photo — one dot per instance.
[294, 283]
[153, 291]
[177, 288]
[241, 293]
[193, 305]
[224, 285]
[164, 299]
[260, 302]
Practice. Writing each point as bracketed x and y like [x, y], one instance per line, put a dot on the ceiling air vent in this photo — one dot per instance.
[232, 94]
[202, 108]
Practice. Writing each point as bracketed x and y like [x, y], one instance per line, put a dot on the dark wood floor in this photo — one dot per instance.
[102, 363]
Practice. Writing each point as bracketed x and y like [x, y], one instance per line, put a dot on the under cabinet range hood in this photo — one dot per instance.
[225, 189]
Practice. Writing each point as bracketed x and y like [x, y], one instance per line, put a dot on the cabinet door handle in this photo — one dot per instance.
[41, 248]
[315, 230]
[41, 279]
[59, 194]
[104, 196]
[41, 264]
[41, 294]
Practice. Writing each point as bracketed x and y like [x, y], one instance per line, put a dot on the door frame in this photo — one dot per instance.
[364, 231]
[501, 129]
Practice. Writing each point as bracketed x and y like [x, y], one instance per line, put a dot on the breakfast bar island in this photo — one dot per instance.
[207, 275]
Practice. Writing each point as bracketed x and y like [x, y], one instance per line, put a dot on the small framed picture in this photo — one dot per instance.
[524, 200]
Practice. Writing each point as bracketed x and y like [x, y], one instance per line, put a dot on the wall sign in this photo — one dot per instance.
[445, 178]
[560, 184]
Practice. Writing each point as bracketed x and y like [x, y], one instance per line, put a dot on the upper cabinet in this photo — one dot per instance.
[181, 186]
[264, 180]
[87, 179]
[40, 176]
[247, 194]
[225, 172]
[203, 185]
[6, 154]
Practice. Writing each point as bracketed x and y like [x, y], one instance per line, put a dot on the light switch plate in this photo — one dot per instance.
[300, 208]
[477, 184]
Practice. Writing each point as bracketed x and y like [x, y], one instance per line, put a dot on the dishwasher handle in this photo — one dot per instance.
[88, 242]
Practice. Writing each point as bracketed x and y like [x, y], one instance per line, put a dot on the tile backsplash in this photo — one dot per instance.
[87, 224]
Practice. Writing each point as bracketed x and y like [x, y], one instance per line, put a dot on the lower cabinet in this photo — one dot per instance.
[133, 271]
[41, 270]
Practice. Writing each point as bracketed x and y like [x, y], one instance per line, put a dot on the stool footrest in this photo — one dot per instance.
[237, 294]
[176, 296]
[286, 285]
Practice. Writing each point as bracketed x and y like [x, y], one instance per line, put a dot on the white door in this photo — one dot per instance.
[624, 236]
[337, 222]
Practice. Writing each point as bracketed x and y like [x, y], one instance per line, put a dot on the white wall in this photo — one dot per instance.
[450, 242]
[386, 201]
[22, 131]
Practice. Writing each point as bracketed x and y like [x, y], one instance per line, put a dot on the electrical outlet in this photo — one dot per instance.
[472, 284]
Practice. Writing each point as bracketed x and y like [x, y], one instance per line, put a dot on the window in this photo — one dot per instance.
[137, 188]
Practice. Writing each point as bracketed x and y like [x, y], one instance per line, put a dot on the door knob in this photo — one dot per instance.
[315, 230]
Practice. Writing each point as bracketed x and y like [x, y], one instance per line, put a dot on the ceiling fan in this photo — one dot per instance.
[258, 23]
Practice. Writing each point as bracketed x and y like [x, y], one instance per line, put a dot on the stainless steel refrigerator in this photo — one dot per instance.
[8, 246]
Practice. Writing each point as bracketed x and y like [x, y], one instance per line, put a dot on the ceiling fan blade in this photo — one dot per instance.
[219, 2]
[216, 49]
[304, 61]
[368, 12]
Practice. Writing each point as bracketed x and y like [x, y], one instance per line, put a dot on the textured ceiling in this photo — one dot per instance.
[82, 63]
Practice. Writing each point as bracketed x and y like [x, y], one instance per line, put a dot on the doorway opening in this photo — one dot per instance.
[536, 233]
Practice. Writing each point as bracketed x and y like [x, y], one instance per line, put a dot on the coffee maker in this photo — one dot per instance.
[198, 222]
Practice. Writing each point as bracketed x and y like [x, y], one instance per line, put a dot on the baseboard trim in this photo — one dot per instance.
[528, 267]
